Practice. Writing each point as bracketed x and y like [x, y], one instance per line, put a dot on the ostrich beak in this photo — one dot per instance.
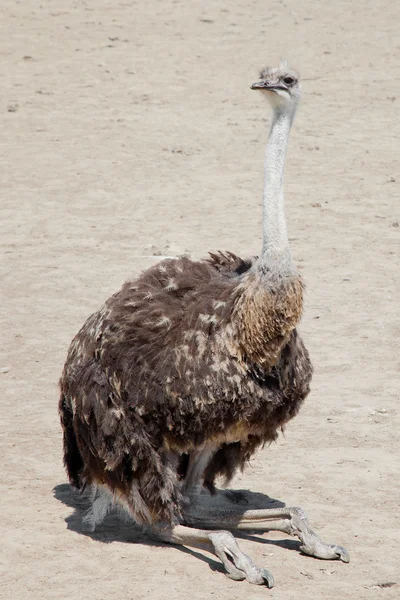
[264, 85]
[259, 85]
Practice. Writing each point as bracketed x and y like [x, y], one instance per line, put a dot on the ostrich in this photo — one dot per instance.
[185, 372]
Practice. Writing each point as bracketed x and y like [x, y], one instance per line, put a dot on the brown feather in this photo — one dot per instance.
[188, 353]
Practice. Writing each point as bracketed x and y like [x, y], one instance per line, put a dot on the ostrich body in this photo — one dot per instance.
[185, 372]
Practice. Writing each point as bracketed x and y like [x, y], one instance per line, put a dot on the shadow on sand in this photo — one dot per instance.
[115, 528]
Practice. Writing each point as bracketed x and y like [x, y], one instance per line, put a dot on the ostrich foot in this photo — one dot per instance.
[238, 565]
[312, 544]
[289, 520]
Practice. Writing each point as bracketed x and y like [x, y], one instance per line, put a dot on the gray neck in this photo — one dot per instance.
[275, 252]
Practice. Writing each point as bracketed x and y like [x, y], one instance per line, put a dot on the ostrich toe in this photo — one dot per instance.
[238, 565]
[320, 549]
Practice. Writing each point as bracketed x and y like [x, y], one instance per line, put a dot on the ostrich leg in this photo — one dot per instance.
[238, 565]
[194, 478]
[289, 520]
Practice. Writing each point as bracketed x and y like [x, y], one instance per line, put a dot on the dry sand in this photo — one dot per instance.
[128, 128]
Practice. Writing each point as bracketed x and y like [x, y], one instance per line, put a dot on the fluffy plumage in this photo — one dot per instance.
[190, 352]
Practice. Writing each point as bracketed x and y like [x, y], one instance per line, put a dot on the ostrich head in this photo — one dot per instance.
[280, 85]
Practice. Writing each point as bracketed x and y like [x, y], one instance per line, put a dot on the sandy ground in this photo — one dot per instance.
[128, 130]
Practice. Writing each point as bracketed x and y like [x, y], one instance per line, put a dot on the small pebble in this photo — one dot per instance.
[308, 575]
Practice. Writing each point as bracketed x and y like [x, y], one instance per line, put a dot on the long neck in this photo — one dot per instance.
[275, 252]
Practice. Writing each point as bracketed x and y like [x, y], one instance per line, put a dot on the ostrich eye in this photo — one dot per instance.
[288, 80]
